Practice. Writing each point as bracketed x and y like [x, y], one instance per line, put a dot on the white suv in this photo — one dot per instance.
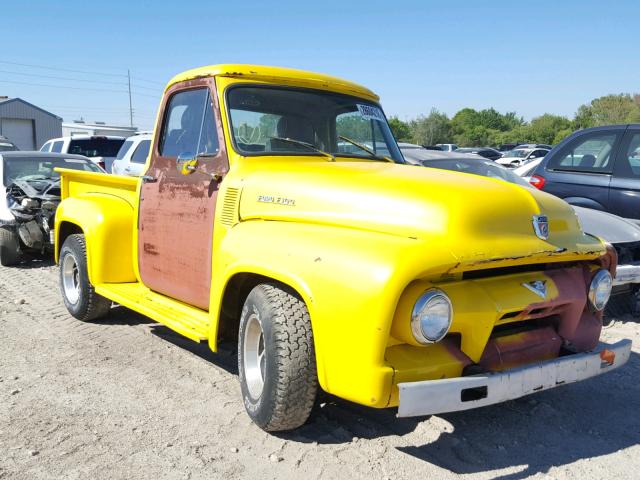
[101, 149]
[132, 156]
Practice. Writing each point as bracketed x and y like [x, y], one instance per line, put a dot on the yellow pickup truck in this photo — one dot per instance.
[277, 211]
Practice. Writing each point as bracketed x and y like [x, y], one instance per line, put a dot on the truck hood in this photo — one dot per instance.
[478, 219]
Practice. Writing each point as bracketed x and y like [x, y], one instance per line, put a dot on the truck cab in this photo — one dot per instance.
[277, 211]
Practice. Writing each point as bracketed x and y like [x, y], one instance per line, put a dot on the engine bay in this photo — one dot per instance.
[33, 203]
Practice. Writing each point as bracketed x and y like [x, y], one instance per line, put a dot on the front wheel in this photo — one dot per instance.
[79, 296]
[276, 359]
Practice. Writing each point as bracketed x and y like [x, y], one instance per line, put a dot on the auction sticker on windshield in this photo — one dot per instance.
[371, 112]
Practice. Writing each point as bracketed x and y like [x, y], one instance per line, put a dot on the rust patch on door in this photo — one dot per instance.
[150, 249]
[177, 216]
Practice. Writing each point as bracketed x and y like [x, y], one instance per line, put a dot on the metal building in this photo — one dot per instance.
[26, 125]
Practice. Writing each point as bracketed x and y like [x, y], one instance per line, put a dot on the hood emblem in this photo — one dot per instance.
[541, 226]
[539, 287]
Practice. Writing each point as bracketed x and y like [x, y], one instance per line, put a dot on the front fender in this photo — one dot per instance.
[107, 224]
[350, 280]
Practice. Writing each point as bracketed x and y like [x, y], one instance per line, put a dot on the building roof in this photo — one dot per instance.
[277, 74]
[4, 101]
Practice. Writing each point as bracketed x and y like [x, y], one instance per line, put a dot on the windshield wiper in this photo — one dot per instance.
[373, 154]
[306, 145]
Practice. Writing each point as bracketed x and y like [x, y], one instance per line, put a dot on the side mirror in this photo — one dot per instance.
[187, 163]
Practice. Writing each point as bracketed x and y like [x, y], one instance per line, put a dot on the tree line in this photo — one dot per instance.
[469, 127]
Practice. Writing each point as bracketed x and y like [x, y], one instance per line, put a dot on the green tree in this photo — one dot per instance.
[354, 126]
[561, 135]
[401, 130]
[543, 129]
[435, 128]
[609, 110]
[485, 127]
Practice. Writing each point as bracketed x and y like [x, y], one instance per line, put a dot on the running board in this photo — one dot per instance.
[189, 321]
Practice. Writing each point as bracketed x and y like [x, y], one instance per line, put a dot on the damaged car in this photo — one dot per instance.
[31, 194]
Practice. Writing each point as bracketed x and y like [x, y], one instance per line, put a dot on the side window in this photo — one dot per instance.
[189, 126]
[140, 155]
[628, 164]
[124, 149]
[589, 153]
[57, 147]
[46, 147]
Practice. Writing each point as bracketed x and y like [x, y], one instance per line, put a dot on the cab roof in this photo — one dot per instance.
[278, 75]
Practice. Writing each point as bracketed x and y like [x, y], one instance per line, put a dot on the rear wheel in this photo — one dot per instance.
[9, 248]
[79, 295]
[276, 359]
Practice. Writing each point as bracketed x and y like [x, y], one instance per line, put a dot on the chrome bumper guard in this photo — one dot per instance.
[455, 394]
[627, 274]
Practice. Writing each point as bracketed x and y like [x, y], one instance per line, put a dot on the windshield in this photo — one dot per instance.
[95, 147]
[26, 168]
[484, 168]
[516, 153]
[268, 120]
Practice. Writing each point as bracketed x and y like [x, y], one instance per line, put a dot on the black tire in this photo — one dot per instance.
[88, 305]
[289, 369]
[9, 248]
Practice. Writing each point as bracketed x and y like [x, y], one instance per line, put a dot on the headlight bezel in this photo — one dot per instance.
[429, 297]
[601, 276]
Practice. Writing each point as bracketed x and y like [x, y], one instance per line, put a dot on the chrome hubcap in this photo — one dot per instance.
[71, 279]
[254, 356]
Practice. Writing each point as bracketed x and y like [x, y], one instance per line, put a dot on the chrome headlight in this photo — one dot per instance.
[431, 316]
[600, 289]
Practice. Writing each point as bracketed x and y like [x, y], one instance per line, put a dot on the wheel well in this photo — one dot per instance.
[66, 229]
[236, 291]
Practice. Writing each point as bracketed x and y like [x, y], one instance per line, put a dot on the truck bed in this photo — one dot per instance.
[74, 183]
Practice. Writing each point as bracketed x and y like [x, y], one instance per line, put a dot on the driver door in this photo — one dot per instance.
[176, 213]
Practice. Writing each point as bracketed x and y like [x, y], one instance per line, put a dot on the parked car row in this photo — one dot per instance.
[119, 155]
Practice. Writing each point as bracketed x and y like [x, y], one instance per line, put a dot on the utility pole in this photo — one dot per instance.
[130, 106]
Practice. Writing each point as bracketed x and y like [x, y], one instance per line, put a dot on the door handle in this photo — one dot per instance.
[148, 179]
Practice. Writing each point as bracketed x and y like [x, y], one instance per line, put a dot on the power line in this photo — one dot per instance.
[54, 77]
[63, 69]
[138, 79]
[77, 88]
[86, 72]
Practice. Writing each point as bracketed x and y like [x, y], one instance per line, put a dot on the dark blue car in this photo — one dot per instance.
[596, 168]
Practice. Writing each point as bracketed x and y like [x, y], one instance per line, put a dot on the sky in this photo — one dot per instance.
[530, 57]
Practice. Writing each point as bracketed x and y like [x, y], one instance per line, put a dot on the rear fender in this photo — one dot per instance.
[107, 223]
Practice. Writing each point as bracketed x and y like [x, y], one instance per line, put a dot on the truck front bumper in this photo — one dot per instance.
[454, 394]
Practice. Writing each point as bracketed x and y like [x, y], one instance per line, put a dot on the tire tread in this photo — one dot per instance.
[297, 384]
[97, 305]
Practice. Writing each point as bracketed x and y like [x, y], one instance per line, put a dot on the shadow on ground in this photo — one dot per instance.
[35, 261]
[590, 419]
